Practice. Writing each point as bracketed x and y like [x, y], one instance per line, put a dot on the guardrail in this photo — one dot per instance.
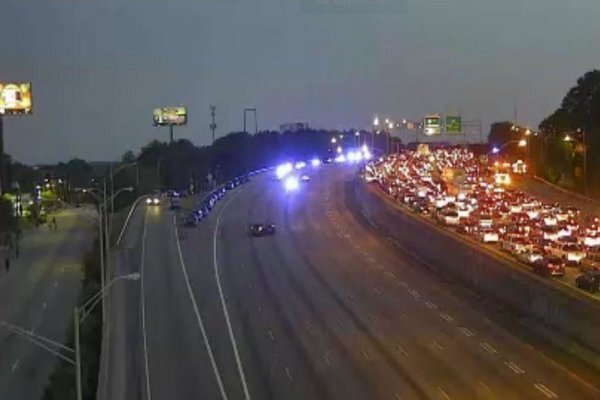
[573, 318]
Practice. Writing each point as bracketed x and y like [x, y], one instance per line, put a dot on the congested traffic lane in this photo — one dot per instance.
[327, 309]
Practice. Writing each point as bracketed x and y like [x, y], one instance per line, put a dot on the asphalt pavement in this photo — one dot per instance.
[38, 293]
[328, 308]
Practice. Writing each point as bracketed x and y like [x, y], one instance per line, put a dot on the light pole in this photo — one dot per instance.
[520, 143]
[103, 236]
[583, 142]
[73, 356]
[375, 129]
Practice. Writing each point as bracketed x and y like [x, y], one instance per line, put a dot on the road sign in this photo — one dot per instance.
[453, 124]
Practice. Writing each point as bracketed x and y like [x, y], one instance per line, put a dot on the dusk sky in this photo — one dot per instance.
[99, 67]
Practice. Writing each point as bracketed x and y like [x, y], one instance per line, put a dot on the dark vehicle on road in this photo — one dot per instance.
[549, 266]
[589, 281]
[175, 203]
[191, 221]
[262, 229]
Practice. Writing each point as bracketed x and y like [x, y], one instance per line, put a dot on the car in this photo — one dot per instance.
[305, 178]
[570, 252]
[153, 200]
[589, 281]
[529, 256]
[175, 203]
[230, 185]
[487, 236]
[550, 265]
[262, 229]
[191, 221]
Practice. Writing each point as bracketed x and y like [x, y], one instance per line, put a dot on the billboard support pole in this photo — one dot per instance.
[2, 184]
[171, 132]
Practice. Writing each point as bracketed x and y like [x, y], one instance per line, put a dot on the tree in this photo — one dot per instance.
[128, 156]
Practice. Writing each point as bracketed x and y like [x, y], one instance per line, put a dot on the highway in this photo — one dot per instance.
[327, 308]
[38, 293]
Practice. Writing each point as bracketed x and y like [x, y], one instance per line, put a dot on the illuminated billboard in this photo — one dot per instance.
[432, 124]
[15, 98]
[169, 116]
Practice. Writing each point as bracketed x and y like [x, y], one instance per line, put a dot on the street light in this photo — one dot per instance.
[73, 356]
[583, 142]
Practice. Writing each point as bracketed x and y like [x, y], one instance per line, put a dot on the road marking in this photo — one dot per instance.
[415, 294]
[271, 335]
[430, 305]
[446, 317]
[466, 331]
[289, 375]
[444, 394]
[401, 283]
[15, 366]
[397, 395]
[366, 355]
[401, 350]
[436, 345]
[326, 359]
[225, 312]
[547, 392]
[489, 348]
[486, 387]
[143, 301]
[55, 284]
[44, 305]
[514, 367]
[198, 317]
[378, 291]
[339, 322]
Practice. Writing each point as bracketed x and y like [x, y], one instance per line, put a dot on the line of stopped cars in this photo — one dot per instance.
[549, 237]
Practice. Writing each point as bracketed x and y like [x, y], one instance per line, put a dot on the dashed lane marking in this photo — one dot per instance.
[446, 317]
[401, 350]
[288, 373]
[15, 366]
[44, 305]
[547, 392]
[430, 305]
[488, 347]
[514, 367]
[465, 331]
[443, 394]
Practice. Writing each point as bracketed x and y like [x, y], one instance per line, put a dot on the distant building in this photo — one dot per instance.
[293, 127]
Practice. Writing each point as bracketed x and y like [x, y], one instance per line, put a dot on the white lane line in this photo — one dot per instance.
[271, 335]
[366, 355]
[55, 284]
[44, 306]
[288, 373]
[431, 305]
[415, 294]
[326, 359]
[444, 394]
[401, 350]
[143, 304]
[339, 322]
[446, 317]
[488, 347]
[436, 345]
[225, 312]
[547, 392]
[401, 283]
[514, 367]
[486, 387]
[466, 331]
[378, 291]
[198, 317]
[15, 366]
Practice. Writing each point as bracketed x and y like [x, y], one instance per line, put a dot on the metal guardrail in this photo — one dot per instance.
[566, 191]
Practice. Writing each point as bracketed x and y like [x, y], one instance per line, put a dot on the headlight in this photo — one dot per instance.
[155, 200]
[148, 201]
[291, 183]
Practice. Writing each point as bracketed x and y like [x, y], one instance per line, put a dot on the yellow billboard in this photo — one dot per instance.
[169, 116]
[15, 98]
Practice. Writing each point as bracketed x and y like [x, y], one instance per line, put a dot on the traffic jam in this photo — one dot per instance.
[475, 197]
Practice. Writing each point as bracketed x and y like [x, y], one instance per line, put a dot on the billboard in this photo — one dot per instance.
[15, 98]
[453, 124]
[432, 125]
[169, 116]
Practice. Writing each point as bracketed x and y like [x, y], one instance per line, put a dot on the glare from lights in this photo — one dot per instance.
[315, 162]
[357, 133]
[339, 149]
[376, 121]
[390, 125]
[300, 164]
[522, 143]
[291, 183]
[495, 150]
[283, 170]
[333, 140]
[567, 138]
[350, 156]
[341, 158]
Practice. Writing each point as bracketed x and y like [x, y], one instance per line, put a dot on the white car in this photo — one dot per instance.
[449, 218]
[488, 236]
[514, 244]
[570, 252]
[529, 256]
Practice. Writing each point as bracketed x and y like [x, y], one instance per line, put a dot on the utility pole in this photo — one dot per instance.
[213, 125]
[252, 110]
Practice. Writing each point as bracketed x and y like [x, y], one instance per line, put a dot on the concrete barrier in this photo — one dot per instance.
[575, 317]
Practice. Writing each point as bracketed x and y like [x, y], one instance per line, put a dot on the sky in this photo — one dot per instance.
[99, 67]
